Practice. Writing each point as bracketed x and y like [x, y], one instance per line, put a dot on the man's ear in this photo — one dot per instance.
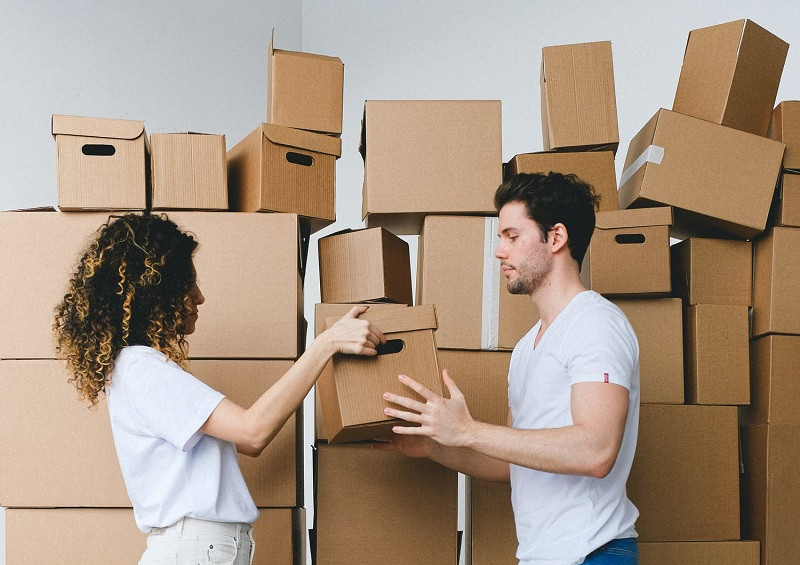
[560, 237]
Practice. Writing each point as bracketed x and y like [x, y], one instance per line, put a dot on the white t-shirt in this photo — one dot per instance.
[562, 518]
[172, 470]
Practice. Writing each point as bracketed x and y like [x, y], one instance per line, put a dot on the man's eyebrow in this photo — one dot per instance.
[506, 230]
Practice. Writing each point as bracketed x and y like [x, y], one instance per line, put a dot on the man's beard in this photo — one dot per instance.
[529, 279]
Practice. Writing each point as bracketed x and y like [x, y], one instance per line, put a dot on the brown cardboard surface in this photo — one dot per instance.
[785, 127]
[304, 90]
[685, 476]
[629, 253]
[101, 163]
[657, 323]
[188, 171]
[771, 491]
[482, 376]
[473, 313]
[593, 167]
[719, 180]
[786, 208]
[774, 383]
[776, 277]
[429, 157]
[717, 361]
[373, 506]
[351, 393]
[699, 553]
[730, 75]
[713, 271]
[366, 265]
[579, 107]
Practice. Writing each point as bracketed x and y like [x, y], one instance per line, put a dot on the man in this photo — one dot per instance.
[573, 390]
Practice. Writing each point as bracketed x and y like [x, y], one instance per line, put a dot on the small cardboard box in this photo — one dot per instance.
[188, 171]
[719, 180]
[304, 90]
[429, 157]
[279, 169]
[785, 127]
[593, 167]
[366, 265]
[351, 393]
[382, 507]
[658, 324]
[776, 267]
[579, 105]
[771, 491]
[482, 314]
[717, 361]
[102, 163]
[774, 385]
[713, 271]
[629, 253]
[685, 477]
[699, 552]
[786, 207]
[730, 75]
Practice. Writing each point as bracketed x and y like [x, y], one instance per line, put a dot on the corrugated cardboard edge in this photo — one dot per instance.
[399, 320]
[302, 139]
[634, 217]
[96, 127]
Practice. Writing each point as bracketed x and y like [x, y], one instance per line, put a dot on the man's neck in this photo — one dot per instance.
[556, 293]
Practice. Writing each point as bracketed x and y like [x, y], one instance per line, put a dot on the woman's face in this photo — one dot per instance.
[195, 298]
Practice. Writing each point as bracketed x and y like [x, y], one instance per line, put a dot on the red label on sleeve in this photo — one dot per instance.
[605, 377]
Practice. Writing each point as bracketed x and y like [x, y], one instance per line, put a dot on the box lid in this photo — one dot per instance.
[634, 217]
[96, 127]
[397, 320]
[302, 139]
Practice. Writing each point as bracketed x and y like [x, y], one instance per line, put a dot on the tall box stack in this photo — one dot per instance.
[785, 127]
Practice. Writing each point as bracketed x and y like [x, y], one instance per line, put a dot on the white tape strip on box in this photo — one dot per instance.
[653, 154]
[490, 315]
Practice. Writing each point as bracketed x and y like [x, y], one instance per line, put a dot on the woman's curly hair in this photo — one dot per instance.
[129, 288]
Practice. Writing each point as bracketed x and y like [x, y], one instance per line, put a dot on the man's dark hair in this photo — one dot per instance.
[553, 199]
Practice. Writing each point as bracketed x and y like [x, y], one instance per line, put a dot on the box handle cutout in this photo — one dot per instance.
[626, 238]
[299, 159]
[391, 346]
[98, 149]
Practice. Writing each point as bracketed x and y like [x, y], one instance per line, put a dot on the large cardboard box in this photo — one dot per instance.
[629, 253]
[719, 180]
[382, 507]
[699, 553]
[774, 382]
[366, 265]
[473, 306]
[304, 90]
[102, 163]
[786, 206]
[188, 171]
[593, 167]
[279, 169]
[579, 106]
[771, 490]
[717, 359]
[352, 392]
[429, 157]
[730, 75]
[785, 127]
[713, 271]
[658, 325]
[776, 281]
[685, 477]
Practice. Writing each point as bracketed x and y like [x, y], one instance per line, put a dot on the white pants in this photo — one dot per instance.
[200, 542]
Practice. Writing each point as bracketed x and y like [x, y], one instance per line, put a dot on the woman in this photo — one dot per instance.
[121, 328]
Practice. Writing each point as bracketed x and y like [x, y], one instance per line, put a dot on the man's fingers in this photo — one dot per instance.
[450, 384]
[404, 401]
[403, 415]
[417, 387]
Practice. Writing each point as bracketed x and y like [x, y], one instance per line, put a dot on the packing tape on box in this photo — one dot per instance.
[653, 154]
[490, 315]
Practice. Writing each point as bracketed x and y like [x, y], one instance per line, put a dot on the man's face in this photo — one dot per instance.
[524, 255]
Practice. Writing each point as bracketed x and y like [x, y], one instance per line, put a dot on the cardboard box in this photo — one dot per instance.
[786, 207]
[304, 90]
[102, 163]
[776, 267]
[771, 491]
[685, 477]
[730, 75]
[699, 553]
[473, 306]
[352, 393]
[379, 506]
[658, 325]
[367, 265]
[109, 535]
[629, 253]
[785, 127]
[774, 385]
[429, 157]
[579, 106]
[593, 167]
[279, 169]
[188, 171]
[713, 271]
[717, 360]
[720, 181]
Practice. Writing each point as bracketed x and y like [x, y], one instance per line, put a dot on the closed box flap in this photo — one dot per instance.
[302, 139]
[398, 320]
[634, 218]
[97, 127]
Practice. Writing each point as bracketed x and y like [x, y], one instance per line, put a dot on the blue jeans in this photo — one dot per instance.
[616, 552]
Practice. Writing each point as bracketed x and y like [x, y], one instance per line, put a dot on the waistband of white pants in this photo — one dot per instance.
[233, 529]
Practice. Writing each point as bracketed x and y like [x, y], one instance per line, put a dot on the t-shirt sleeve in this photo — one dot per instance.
[171, 403]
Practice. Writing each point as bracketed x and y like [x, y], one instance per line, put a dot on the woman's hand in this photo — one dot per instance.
[353, 335]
